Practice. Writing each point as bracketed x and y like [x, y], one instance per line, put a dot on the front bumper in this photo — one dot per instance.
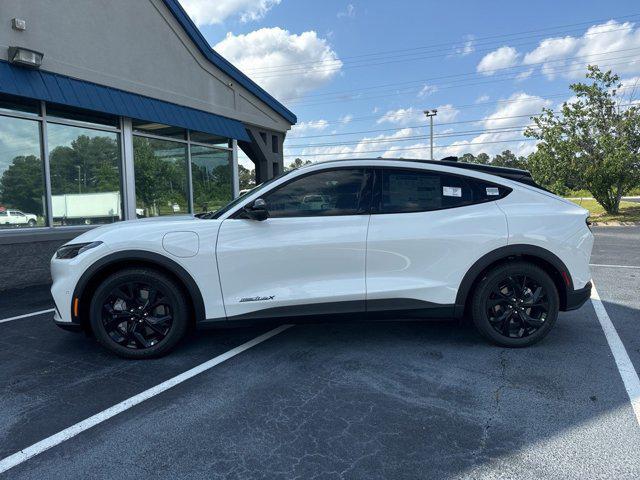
[577, 298]
[68, 326]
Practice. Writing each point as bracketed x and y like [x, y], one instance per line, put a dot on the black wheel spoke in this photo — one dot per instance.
[147, 317]
[517, 306]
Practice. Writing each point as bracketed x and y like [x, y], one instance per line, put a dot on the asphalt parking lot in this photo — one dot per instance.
[383, 400]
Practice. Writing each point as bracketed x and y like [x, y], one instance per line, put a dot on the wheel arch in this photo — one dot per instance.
[539, 256]
[109, 264]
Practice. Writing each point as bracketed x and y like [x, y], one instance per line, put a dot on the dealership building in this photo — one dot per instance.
[114, 111]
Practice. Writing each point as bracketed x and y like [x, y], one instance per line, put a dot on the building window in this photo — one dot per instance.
[211, 178]
[85, 175]
[21, 174]
[160, 177]
[274, 144]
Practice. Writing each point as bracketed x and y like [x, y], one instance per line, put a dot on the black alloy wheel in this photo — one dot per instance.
[517, 307]
[515, 304]
[139, 313]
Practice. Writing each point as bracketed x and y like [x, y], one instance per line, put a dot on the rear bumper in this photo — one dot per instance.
[577, 298]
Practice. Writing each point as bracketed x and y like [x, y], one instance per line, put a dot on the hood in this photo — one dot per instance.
[144, 227]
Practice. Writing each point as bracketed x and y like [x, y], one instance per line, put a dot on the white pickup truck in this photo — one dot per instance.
[11, 217]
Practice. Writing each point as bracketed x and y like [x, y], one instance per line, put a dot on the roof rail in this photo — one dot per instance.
[513, 174]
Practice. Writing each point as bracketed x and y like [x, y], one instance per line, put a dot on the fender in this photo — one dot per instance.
[151, 259]
[506, 252]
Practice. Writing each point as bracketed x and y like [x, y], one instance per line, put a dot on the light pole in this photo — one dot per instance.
[430, 114]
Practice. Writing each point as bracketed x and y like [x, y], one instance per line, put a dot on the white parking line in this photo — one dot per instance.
[620, 355]
[56, 439]
[612, 266]
[26, 315]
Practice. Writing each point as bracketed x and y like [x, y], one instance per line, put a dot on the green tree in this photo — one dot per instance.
[482, 158]
[247, 177]
[595, 140]
[510, 160]
[21, 185]
[297, 163]
[89, 165]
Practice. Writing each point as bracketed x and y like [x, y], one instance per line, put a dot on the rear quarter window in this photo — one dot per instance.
[405, 191]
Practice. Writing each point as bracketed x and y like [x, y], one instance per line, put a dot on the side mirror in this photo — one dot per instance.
[257, 211]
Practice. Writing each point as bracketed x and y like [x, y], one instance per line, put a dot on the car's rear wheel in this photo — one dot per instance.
[139, 313]
[515, 304]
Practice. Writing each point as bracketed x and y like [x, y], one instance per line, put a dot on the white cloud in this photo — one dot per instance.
[524, 75]
[210, 12]
[482, 99]
[503, 57]
[427, 90]
[508, 114]
[467, 47]
[348, 12]
[610, 44]
[405, 116]
[303, 128]
[447, 113]
[511, 113]
[377, 145]
[259, 53]
[402, 116]
[346, 119]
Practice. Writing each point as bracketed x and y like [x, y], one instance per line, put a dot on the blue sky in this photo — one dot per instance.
[369, 68]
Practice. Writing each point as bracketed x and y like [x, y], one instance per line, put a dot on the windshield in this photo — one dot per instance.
[218, 213]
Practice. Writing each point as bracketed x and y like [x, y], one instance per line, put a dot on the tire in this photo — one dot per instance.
[139, 313]
[32, 223]
[515, 304]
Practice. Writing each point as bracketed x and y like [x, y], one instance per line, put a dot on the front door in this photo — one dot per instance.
[308, 257]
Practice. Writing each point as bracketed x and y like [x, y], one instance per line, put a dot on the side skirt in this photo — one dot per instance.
[373, 310]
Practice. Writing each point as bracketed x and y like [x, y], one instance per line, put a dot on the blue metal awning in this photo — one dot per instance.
[52, 87]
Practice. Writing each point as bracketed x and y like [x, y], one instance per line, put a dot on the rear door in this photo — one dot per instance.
[427, 228]
[308, 257]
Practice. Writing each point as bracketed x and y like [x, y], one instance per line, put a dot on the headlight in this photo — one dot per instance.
[74, 249]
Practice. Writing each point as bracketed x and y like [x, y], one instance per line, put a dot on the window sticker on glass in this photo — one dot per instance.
[492, 191]
[451, 191]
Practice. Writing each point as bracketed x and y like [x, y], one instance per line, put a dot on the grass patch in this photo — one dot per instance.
[629, 211]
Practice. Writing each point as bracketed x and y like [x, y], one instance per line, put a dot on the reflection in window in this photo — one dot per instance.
[21, 174]
[85, 175]
[211, 177]
[161, 177]
[334, 192]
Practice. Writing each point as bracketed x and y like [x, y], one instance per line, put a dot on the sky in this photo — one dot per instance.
[359, 74]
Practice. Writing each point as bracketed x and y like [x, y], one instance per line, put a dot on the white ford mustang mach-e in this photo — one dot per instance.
[366, 238]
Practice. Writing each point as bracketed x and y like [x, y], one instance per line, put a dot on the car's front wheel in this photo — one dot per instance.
[139, 313]
[515, 304]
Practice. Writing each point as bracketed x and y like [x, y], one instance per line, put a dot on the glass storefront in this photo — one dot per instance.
[175, 171]
[211, 172]
[21, 174]
[161, 177]
[85, 175]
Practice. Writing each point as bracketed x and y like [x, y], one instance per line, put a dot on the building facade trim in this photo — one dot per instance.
[220, 62]
[68, 91]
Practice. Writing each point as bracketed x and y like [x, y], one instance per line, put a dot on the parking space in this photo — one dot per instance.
[340, 400]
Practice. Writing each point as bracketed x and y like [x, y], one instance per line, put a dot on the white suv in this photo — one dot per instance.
[391, 238]
[16, 217]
